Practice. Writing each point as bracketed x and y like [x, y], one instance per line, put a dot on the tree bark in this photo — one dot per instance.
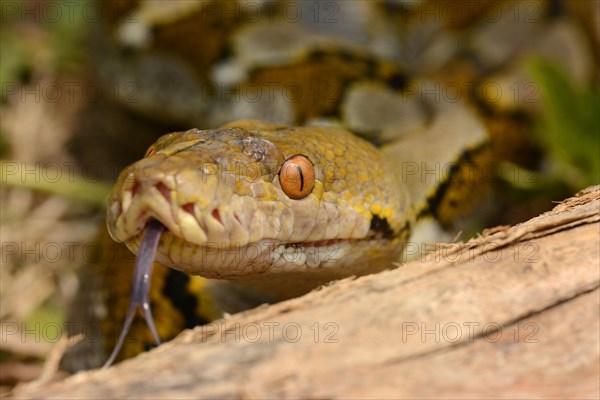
[510, 314]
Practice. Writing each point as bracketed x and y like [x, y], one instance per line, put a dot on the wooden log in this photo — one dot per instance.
[511, 314]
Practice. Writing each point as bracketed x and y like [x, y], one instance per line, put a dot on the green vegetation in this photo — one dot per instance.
[39, 36]
[569, 127]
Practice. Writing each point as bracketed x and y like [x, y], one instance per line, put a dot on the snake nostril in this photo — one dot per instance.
[134, 188]
[164, 190]
[188, 208]
[217, 215]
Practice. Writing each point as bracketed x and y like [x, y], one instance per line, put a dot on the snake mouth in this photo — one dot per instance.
[217, 241]
[214, 242]
[235, 260]
[129, 216]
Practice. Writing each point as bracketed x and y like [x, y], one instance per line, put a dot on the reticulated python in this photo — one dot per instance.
[354, 137]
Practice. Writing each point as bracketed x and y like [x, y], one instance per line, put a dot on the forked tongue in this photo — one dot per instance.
[141, 286]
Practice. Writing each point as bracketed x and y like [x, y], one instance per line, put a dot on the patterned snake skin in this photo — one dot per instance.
[378, 98]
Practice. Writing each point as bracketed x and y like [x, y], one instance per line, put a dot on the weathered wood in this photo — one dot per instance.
[512, 314]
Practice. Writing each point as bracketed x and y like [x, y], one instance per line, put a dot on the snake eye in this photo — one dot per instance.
[151, 150]
[297, 177]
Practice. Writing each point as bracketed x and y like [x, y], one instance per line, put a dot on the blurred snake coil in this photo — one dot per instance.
[385, 118]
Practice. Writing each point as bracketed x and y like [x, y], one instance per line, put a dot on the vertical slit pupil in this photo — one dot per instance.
[301, 177]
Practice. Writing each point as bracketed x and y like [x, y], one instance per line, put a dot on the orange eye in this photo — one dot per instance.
[151, 150]
[297, 177]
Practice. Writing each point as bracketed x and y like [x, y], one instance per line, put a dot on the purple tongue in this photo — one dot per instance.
[141, 286]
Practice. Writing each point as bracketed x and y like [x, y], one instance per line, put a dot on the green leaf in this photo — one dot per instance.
[569, 127]
[67, 185]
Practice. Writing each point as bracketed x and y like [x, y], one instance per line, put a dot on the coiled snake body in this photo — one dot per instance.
[381, 157]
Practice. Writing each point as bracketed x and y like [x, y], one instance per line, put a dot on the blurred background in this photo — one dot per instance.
[74, 112]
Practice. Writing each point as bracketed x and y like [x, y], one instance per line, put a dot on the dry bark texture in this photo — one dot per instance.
[512, 314]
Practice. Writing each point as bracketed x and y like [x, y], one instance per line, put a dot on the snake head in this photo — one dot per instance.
[219, 194]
